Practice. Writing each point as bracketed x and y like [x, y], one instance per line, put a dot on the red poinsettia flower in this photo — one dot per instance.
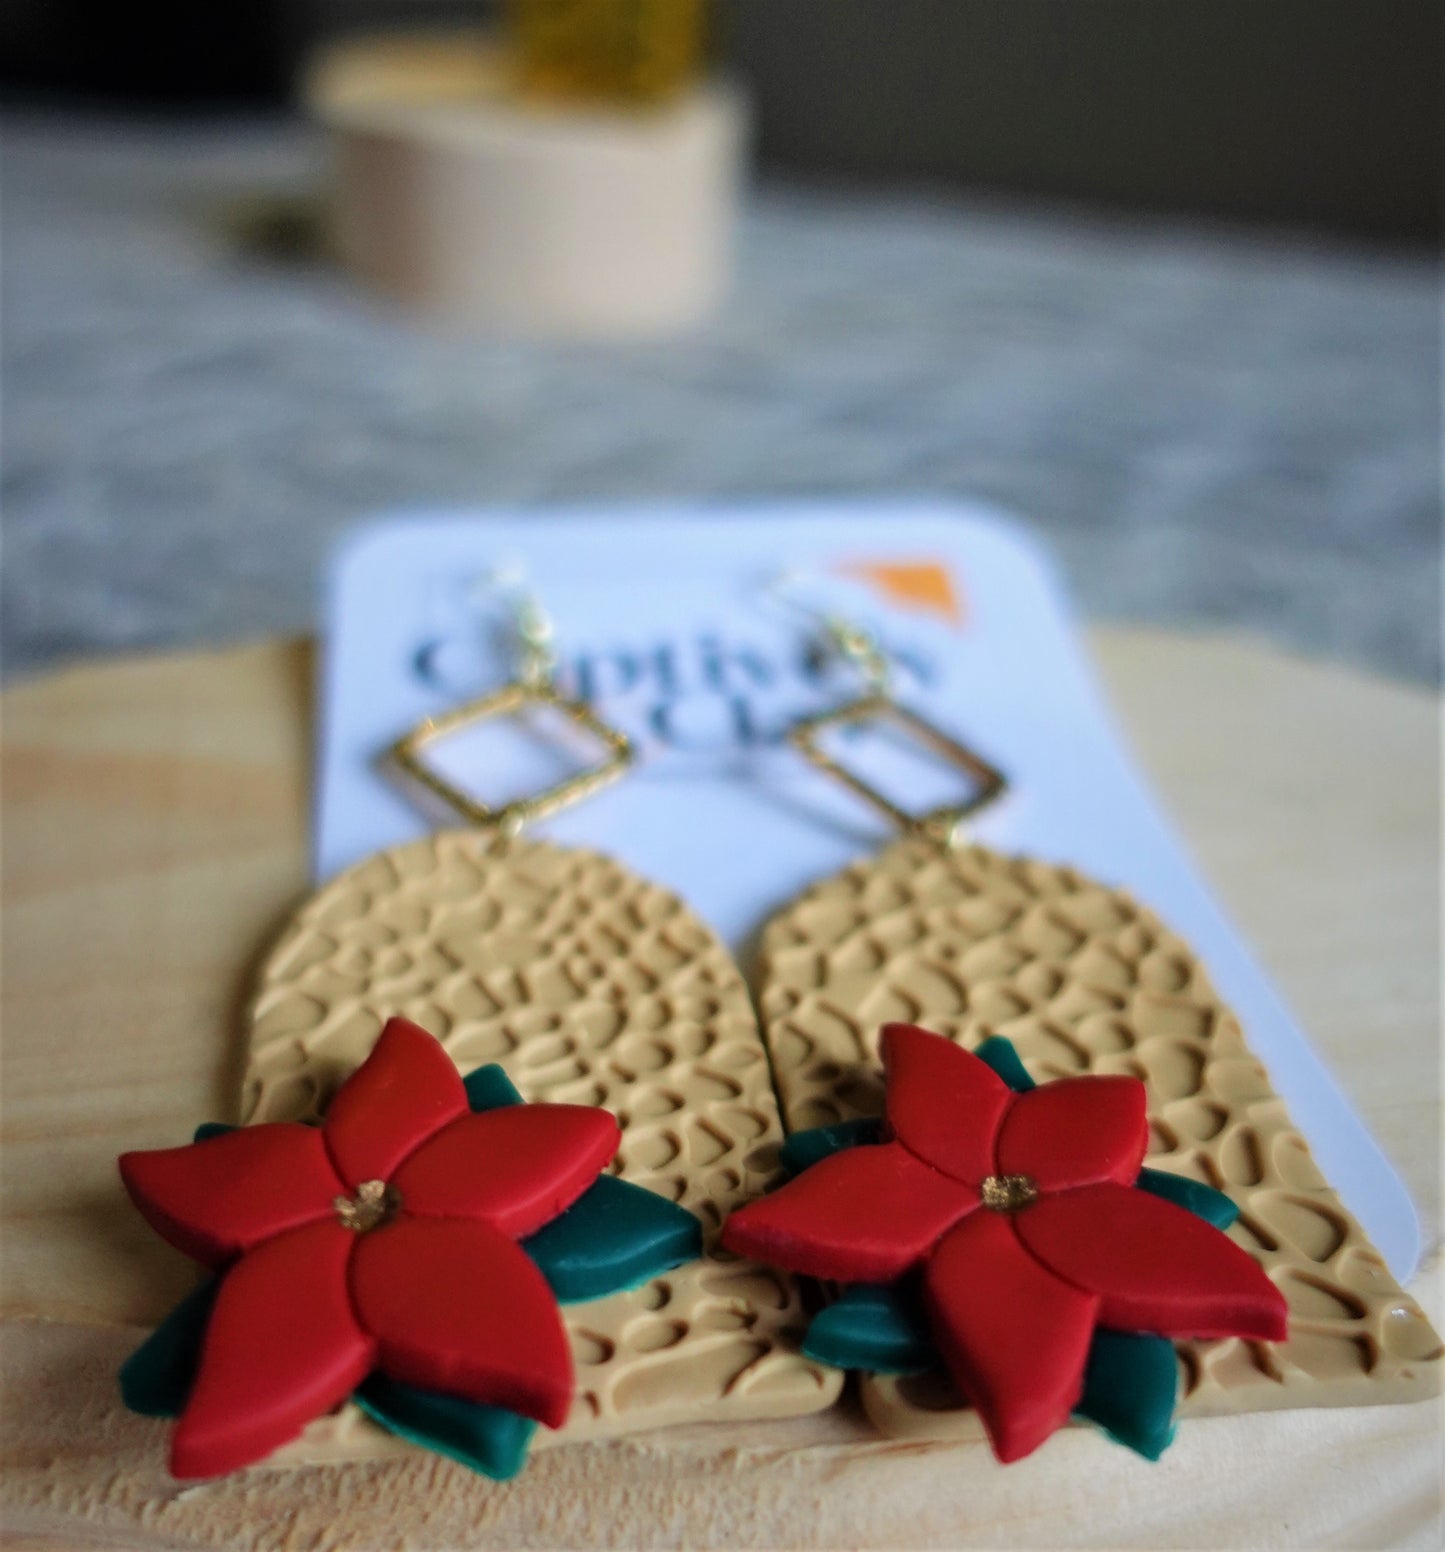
[1021, 1211]
[383, 1239]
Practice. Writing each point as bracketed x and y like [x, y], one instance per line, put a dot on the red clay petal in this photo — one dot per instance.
[217, 1198]
[1014, 1337]
[282, 1347]
[1154, 1266]
[1076, 1131]
[404, 1091]
[517, 1167]
[455, 1306]
[943, 1103]
[864, 1215]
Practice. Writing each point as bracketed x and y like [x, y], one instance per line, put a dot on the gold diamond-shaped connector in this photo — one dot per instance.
[940, 823]
[508, 818]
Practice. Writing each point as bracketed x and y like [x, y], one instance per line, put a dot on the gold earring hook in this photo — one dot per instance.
[533, 635]
[854, 643]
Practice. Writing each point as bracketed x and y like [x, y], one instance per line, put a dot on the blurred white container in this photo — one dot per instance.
[454, 194]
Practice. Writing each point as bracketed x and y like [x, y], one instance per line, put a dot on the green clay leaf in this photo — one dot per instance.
[803, 1149]
[209, 1129]
[1130, 1384]
[156, 1379]
[999, 1053]
[872, 1326]
[489, 1439]
[1203, 1201]
[489, 1088]
[614, 1236]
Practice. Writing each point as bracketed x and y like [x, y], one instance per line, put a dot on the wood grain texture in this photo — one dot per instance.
[154, 842]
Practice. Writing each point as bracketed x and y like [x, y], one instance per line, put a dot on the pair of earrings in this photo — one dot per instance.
[543, 1081]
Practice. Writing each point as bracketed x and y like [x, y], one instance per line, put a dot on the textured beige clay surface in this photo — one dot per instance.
[590, 986]
[1083, 979]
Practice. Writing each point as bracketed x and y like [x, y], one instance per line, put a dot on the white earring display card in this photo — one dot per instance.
[697, 633]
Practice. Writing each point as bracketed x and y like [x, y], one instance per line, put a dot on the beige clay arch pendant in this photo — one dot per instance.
[589, 985]
[1081, 978]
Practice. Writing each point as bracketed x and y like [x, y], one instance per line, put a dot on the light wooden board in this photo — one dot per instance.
[154, 840]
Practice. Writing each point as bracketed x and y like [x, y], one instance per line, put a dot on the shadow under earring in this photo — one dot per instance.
[1083, 1265]
[546, 974]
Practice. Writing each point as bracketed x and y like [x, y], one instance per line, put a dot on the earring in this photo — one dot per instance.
[451, 1015]
[1008, 1259]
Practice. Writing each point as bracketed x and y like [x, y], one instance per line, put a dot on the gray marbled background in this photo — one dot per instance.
[1209, 427]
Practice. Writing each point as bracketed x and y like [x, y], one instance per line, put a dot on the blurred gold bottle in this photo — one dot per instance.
[607, 50]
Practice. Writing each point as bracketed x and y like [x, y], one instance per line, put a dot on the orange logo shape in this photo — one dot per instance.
[925, 587]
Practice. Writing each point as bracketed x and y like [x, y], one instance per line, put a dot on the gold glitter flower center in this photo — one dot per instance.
[1008, 1193]
[374, 1203]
